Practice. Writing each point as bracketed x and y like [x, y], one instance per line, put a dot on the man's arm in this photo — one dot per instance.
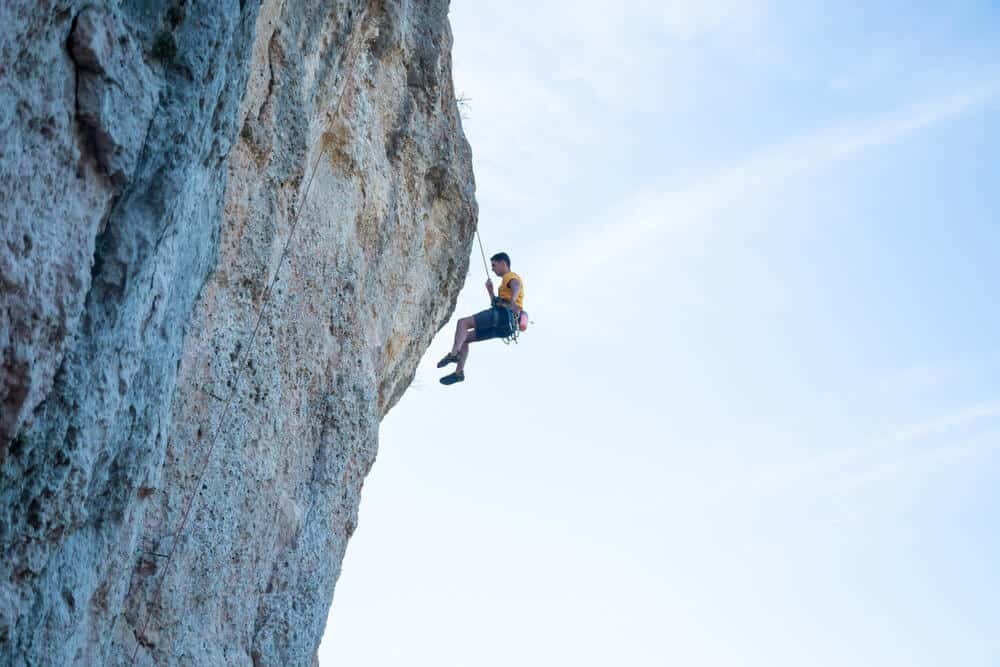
[489, 288]
[515, 289]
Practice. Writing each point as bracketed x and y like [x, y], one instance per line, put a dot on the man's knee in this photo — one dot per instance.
[467, 323]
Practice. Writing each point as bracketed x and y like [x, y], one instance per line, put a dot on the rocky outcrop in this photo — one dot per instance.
[115, 91]
[188, 406]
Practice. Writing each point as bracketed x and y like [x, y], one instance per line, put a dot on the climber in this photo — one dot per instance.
[499, 321]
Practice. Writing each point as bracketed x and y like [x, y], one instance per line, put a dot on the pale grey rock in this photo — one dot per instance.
[115, 92]
[144, 214]
[52, 204]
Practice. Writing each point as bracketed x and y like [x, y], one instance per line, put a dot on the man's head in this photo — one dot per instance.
[500, 263]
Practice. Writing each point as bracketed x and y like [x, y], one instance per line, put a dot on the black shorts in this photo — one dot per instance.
[496, 322]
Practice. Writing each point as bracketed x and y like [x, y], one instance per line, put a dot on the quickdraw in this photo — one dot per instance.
[513, 325]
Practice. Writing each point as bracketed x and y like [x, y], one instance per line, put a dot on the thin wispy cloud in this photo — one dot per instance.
[940, 439]
[912, 448]
[916, 378]
[920, 461]
[652, 213]
[967, 416]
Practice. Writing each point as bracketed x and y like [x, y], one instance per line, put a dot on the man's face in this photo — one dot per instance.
[498, 267]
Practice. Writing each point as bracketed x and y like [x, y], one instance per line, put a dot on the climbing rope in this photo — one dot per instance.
[247, 347]
[482, 252]
[225, 411]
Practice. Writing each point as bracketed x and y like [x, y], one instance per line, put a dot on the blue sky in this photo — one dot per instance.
[758, 415]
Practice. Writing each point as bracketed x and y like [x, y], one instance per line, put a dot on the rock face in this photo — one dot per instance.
[188, 406]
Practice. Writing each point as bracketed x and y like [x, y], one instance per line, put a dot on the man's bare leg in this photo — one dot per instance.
[463, 353]
[462, 334]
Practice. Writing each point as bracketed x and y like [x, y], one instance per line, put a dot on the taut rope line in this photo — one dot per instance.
[265, 298]
[483, 253]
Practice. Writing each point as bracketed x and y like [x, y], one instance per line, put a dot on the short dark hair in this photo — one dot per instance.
[501, 257]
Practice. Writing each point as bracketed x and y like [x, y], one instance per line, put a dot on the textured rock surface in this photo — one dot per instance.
[154, 157]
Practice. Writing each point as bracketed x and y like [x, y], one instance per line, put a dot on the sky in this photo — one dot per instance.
[756, 419]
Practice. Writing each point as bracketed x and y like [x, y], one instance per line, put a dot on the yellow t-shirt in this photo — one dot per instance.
[505, 291]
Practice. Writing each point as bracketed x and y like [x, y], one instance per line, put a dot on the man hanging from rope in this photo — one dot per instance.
[499, 321]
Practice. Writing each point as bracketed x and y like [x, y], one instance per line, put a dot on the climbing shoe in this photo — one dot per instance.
[448, 359]
[457, 376]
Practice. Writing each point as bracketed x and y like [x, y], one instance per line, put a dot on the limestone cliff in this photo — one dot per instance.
[155, 158]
